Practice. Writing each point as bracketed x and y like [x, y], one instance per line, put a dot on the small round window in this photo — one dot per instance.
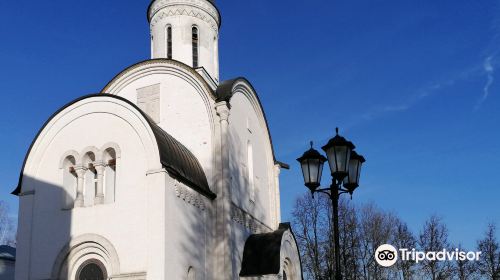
[91, 270]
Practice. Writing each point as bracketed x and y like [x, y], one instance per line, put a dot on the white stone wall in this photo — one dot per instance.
[182, 16]
[186, 105]
[45, 228]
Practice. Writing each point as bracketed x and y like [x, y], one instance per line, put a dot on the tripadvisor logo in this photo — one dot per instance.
[387, 255]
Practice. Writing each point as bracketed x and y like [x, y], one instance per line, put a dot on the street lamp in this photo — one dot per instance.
[345, 166]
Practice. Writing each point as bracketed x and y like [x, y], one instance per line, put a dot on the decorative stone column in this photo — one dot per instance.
[277, 206]
[80, 173]
[99, 168]
[223, 228]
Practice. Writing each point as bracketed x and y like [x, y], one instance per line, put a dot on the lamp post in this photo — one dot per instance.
[345, 166]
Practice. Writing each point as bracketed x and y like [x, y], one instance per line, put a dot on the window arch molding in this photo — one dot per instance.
[69, 180]
[84, 248]
[90, 175]
[107, 177]
[90, 149]
[71, 153]
[90, 262]
[113, 146]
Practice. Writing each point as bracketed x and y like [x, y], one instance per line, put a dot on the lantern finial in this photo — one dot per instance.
[311, 144]
[337, 130]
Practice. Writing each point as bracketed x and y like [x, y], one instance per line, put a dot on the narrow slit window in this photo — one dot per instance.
[195, 46]
[250, 172]
[169, 42]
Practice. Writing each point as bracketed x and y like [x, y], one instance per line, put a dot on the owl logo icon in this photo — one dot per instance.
[386, 255]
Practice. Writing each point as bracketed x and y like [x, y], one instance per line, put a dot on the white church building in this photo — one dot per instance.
[167, 173]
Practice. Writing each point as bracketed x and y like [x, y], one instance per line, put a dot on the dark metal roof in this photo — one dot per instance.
[224, 92]
[7, 253]
[261, 255]
[175, 157]
[180, 162]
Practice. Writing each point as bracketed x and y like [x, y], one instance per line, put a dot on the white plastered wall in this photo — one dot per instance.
[45, 229]
[182, 16]
[186, 105]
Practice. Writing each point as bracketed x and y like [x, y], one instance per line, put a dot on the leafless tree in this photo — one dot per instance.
[7, 235]
[489, 263]
[433, 238]
[375, 228]
[404, 238]
[465, 269]
[349, 240]
[309, 225]
[364, 228]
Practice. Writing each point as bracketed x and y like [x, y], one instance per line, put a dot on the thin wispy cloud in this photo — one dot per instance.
[489, 70]
[418, 95]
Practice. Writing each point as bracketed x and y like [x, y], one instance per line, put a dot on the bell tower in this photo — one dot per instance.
[186, 31]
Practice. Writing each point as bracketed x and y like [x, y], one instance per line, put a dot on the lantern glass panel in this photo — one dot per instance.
[338, 159]
[305, 171]
[353, 177]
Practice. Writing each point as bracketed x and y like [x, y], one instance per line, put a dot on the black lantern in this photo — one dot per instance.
[312, 166]
[345, 165]
[338, 151]
[351, 181]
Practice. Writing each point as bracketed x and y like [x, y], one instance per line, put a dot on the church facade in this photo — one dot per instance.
[167, 173]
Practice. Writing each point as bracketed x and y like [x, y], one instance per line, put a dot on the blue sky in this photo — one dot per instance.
[414, 84]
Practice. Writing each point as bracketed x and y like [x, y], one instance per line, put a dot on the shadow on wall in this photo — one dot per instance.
[258, 204]
[7, 262]
[45, 247]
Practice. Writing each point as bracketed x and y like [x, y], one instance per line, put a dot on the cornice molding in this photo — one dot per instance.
[185, 10]
[204, 5]
[244, 218]
[189, 196]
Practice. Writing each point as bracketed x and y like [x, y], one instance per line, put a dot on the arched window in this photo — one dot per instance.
[70, 182]
[169, 42]
[196, 34]
[90, 179]
[92, 270]
[250, 172]
[109, 175]
[191, 274]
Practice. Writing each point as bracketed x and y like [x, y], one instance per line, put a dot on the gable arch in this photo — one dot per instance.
[170, 67]
[161, 149]
[83, 106]
[180, 101]
[230, 88]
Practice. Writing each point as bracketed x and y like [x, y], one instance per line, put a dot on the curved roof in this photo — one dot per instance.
[159, 61]
[262, 253]
[224, 91]
[7, 253]
[175, 157]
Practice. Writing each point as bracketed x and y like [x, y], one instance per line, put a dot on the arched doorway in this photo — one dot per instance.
[91, 270]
